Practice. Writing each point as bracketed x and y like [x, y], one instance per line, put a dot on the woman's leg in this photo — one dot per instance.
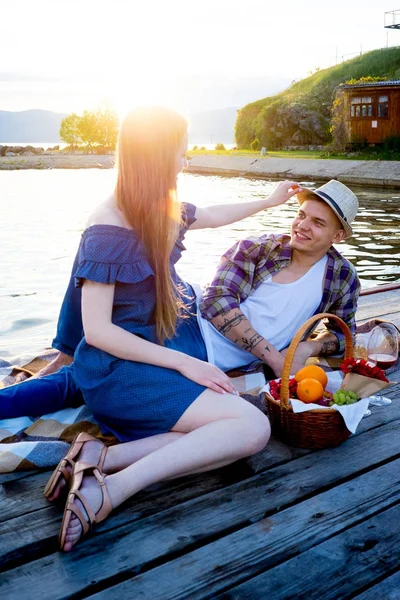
[219, 428]
[116, 460]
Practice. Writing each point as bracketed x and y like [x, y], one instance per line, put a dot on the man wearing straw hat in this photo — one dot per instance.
[266, 287]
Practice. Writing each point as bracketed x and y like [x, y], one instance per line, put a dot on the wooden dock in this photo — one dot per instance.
[287, 523]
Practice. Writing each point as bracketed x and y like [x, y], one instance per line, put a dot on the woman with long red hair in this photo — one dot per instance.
[142, 363]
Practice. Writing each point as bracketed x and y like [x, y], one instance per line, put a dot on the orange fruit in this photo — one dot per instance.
[309, 390]
[313, 372]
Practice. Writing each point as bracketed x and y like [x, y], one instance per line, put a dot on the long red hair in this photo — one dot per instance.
[148, 145]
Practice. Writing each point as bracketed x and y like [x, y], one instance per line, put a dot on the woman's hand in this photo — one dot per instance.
[282, 193]
[206, 374]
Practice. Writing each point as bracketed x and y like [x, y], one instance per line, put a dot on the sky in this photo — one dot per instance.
[71, 55]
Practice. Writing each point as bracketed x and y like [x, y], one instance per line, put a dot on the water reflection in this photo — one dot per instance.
[44, 213]
[376, 239]
[374, 248]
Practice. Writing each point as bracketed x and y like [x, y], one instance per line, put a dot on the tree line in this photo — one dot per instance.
[95, 130]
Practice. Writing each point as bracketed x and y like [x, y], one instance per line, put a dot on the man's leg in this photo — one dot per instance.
[268, 373]
[36, 397]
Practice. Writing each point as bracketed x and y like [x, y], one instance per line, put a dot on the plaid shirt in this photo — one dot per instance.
[249, 262]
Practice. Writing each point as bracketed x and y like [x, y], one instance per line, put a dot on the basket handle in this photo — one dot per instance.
[348, 353]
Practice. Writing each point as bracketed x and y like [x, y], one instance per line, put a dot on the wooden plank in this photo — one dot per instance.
[381, 295]
[337, 568]
[134, 546]
[274, 454]
[21, 497]
[393, 317]
[379, 306]
[14, 475]
[377, 301]
[13, 496]
[20, 537]
[388, 589]
[223, 564]
[380, 289]
[382, 414]
[163, 496]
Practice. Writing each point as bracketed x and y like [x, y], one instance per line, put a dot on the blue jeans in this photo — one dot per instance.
[36, 397]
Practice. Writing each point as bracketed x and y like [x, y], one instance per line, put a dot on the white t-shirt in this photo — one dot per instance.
[275, 311]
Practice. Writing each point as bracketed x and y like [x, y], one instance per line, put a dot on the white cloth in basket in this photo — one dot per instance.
[351, 413]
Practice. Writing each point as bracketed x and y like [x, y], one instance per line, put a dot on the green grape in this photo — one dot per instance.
[342, 397]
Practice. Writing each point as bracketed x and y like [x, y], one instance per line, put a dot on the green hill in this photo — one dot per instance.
[300, 115]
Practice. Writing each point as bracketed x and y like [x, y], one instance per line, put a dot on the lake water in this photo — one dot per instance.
[44, 213]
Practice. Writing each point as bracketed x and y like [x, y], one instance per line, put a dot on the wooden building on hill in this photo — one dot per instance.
[392, 19]
[371, 111]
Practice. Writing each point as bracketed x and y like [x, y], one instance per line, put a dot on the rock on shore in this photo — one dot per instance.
[24, 150]
[55, 160]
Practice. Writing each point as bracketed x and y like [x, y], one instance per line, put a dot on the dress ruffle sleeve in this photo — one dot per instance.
[188, 218]
[110, 254]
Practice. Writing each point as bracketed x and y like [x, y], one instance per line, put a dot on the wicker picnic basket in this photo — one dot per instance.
[314, 429]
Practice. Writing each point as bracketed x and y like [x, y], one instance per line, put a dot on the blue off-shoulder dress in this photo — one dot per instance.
[130, 399]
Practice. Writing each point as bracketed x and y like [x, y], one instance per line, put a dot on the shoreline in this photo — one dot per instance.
[350, 172]
[353, 172]
[56, 161]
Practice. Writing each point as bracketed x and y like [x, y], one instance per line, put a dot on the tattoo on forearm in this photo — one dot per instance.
[250, 343]
[228, 324]
[250, 338]
[330, 347]
[262, 354]
[267, 349]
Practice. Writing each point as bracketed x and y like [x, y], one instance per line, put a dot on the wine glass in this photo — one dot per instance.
[383, 350]
[360, 346]
[360, 350]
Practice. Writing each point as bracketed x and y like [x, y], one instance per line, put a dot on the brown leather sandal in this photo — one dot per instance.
[61, 470]
[80, 471]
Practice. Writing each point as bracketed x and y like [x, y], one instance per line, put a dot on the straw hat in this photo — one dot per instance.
[339, 198]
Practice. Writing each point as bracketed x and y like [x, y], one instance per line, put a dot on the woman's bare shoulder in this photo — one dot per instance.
[107, 213]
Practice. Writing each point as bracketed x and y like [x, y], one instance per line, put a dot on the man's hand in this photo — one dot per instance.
[61, 360]
[303, 351]
[324, 344]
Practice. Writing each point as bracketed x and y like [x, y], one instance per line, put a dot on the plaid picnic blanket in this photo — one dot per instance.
[41, 442]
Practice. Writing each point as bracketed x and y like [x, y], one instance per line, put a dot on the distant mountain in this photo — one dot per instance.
[31, 126]
[35, 126]
[213, 126]
[197, 94]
